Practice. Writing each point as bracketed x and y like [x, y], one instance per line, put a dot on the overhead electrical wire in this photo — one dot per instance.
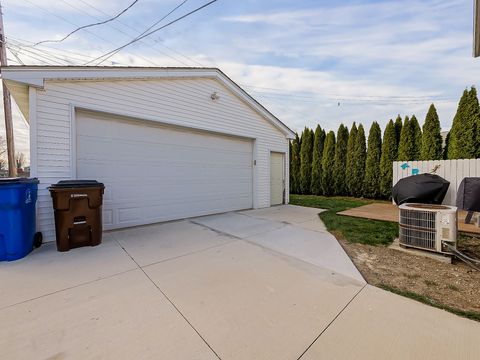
[168, 14]
[286, 92]
[121, 30]
[21, 43]
[344, 99]
[92, 33]
[139, 37]
[15, 54]
[153, 41]
[15, 61]
[13, 46]
[106, 56]
[89, 25]
[29, 51]
[49, 60]
[40, 59]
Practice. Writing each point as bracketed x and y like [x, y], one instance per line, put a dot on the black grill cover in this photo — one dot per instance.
[468, 196]
[424, 188]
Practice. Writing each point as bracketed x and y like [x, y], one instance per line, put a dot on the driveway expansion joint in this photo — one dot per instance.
[219, 232]
[170, 301]
[332, 321]
[68, 288]
[188, 254]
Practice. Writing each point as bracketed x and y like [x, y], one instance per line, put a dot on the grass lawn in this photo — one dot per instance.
[355, 230]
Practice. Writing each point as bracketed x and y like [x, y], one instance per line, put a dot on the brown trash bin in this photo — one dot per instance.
[78, 213]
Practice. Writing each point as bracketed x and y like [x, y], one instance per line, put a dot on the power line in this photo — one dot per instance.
[118, 29]
[69, 60]
[286, 92]
[32, 51]
[19, 61]
[15, 61]
[16, 45]
[322, 100]
[167, 15]
[22, 43]
[154, 42]
[113, 52]
[139, 37]
[89, 25]
[92, 33]
[43, 59]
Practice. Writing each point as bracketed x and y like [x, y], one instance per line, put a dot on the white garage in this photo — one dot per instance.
[168, 143]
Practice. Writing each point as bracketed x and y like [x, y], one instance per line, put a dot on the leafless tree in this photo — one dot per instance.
[20, 160]
[3, 147]
[3, 152]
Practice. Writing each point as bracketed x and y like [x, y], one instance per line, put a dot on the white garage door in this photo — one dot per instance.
[156, 173]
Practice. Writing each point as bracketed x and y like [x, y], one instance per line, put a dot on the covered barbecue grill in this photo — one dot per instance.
[468, 196]
[424, 188]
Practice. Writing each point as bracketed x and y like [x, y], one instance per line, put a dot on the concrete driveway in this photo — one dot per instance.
[258, 284]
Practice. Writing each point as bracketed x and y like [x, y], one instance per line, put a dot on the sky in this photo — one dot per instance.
[308, 62]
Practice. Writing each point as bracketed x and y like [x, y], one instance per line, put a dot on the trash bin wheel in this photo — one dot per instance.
[37, 239]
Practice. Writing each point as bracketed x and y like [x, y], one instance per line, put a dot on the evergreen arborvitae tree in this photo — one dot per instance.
[306, 153]
[464, 137]
[431, 136]
[319, 140]
[406, 146]
[371, 188]
[474, 114]
[359, 157]
[328, 163]
[417, 138]
[349, 177]
[389, 155]
[398, 130]
[295, 166]
[339, 182]
[445, 148]
[456, 132]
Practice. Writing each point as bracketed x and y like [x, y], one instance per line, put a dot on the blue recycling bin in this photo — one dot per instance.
[17, 218]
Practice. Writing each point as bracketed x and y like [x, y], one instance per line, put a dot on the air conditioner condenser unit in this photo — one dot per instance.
[428, 227]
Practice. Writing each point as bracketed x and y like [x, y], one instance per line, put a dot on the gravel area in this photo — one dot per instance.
[455, 285]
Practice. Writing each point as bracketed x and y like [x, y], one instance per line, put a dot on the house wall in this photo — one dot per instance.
[183, 102]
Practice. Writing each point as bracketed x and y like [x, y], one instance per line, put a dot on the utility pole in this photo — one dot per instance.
[7, 105]
[476, 28]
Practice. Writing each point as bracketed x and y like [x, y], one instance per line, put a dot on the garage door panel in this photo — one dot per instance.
[175, 142]
[165, 212]
[157, 173]
[92, 146]
[175, 196]
[174, 177]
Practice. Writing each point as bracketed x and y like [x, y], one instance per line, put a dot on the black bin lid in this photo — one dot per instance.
[8, 181]
[69, 184]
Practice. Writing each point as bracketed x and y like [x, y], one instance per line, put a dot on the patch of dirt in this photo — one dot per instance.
[455, 285]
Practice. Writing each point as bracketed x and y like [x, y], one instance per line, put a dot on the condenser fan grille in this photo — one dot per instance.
[418, 228]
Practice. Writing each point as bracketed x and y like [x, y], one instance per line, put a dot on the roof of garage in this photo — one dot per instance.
[19, 78]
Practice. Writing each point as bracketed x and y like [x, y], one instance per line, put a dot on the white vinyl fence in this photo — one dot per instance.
[451, 170]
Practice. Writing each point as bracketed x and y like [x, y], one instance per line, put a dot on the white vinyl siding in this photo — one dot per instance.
[183, 102]
[155, 173]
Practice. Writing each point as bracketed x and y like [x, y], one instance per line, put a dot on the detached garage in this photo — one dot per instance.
[168, 143]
